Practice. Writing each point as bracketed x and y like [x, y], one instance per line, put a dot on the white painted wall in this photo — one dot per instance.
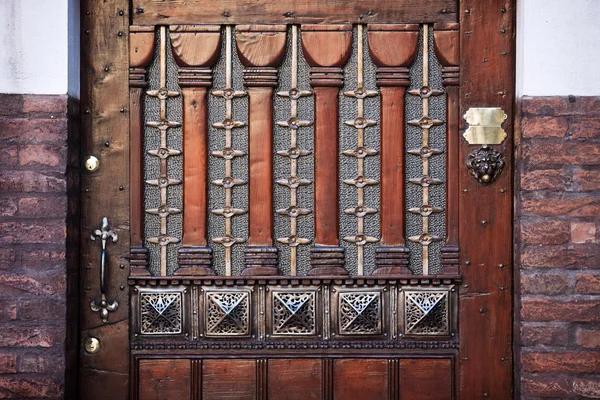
[558, 47]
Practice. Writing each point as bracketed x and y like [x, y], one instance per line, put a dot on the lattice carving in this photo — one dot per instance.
[294, 313]
[161, 313]
[227, 313]
[426, 313]
[360, 313]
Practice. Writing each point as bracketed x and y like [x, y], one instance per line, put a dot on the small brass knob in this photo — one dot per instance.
[92, 163]
[91, 345]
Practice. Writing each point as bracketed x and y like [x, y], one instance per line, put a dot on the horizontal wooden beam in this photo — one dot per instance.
[292, 12]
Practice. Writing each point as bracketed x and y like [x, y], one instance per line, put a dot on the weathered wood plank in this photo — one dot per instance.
[297, 11]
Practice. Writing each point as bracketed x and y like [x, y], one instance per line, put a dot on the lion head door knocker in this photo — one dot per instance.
[485, 164]
[485, 128]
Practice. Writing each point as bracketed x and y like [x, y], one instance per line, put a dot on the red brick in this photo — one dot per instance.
[588, 284]
[42, 309]
[557, 105]
[31, 131]
[32, 232]
[584, 128]
[28, 336]
[561, 205]
[560, 311]
[584, 362]
[588, 337]
[544, 179]
[11, 104]
[44, 103]
[544, 154]
[8, 363]
[30, 181]
[583, 257]
[545, 386]
[51, 207]
[544, 232]
[586, 181]
[8, 155]
[16, 285]
[549, 335]
[590, 388]
[544, 284]
[8, 207]
[40, 362]
[7, 258]
[8, 310]
[41, 154]
[544, 127]
[22, 387]
[583, 232]
[43, 260]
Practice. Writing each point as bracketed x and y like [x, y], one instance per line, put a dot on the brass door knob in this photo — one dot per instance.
[91, 345]
[91, 163]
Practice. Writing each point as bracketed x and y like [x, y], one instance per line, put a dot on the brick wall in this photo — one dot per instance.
[33, 246]
[558, 247]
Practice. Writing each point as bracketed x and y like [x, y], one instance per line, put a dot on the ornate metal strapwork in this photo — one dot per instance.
[294, 313]
[161, 313]
[426, 313]
[360, 313]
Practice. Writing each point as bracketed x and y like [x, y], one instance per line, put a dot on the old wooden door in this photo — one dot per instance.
[296, 199]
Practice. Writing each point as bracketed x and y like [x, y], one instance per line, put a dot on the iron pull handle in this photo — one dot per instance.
[104, 306]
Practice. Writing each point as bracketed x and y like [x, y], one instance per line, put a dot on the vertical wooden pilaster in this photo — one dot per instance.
[327, 49]
[446, 42]
[261, 49]
[141, 47]
[487, 79]
[195, 49]
[393, 48]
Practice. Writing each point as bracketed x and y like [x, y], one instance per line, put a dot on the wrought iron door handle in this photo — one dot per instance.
[104, 307]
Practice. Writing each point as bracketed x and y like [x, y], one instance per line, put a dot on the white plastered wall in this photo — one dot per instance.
[558, 47]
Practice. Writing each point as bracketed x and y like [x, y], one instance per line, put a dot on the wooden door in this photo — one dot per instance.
[297, 199]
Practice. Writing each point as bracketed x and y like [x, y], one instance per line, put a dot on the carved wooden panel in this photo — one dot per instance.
[164, 379]
[295, 379]
[228, 379]
[361, 379]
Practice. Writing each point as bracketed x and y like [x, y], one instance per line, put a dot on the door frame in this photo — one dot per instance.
[487, 53]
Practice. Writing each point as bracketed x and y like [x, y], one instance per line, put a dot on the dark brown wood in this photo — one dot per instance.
[426, 379]
[195, 49]
[165, 379]
[105, 193]
[366, 379]
[393, 49]
[446, 42]
[326, 49]
[261, 49]
[295, 379]
[229, 379]
[487, 71]
[296, 11]
[141, 47]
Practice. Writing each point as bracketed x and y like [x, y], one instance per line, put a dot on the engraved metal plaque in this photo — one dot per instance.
[485, 125]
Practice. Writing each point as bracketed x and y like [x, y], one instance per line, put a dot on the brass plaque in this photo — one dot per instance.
[485, 125]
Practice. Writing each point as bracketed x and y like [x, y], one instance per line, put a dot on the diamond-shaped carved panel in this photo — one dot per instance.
[161, 313]
[360, 313]
[294, 313]
[227, 313]
[426, 312]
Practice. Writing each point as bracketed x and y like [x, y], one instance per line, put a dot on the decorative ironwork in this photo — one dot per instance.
[294, 313]
[228, 154]
[293, 153]
[227, 313]
[163, 182]
[485, 164]
[425, 152]
[426, 312]
[360, 313]
[161, 313]
[104, 306]
[360, 152]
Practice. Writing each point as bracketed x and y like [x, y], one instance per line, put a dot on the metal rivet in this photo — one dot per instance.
[467, 262]
[484, 222]
[121, 187]
[502, 190]
[106, 69]
[136, 335]
[500, 265]
[119, 33]
[121, 287]
[107, 143]
[466, 285]
[87, 288]
[503, 9]
[468, 11]
[502, 31]
[87, 32]
[485, 395]
[87, 13]
[122, 109]
[122, 266]
[465, 190]
[121, 12]
[501, 287]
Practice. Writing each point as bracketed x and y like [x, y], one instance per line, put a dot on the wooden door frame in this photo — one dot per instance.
[487, 51]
